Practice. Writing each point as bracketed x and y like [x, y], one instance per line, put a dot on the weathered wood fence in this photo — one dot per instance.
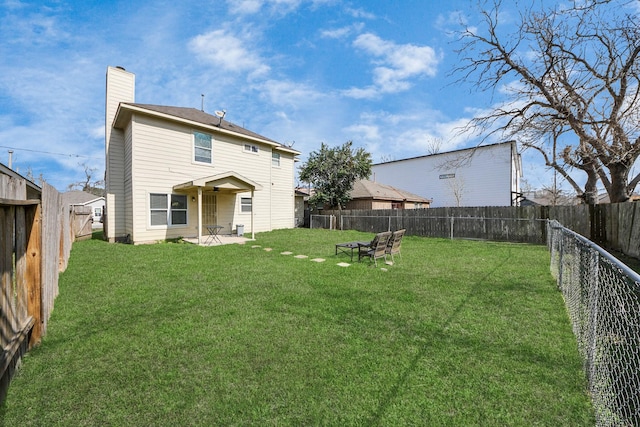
[81, 222]
[35, 244]
[614, 226]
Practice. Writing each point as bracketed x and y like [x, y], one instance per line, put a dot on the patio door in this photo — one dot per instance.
[209, 209]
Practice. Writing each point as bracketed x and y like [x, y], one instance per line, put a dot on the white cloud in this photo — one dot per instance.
[287, 93]
[245, 7]
[369, 133]
[369, 92]
[251, 7]
[221, 49]
[342, 32]
[360, 13]
[395, 64]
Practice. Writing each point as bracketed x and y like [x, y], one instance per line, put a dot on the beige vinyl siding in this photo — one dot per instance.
[127, 187]
[283, 196]
[163, 157]
[115, 178]
[120, 88]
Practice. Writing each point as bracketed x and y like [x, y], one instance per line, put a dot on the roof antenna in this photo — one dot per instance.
[220, 115]
[202, 108]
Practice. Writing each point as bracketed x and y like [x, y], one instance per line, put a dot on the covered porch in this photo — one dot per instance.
[207, 190]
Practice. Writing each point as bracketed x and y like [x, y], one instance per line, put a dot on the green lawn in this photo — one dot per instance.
[457, 333]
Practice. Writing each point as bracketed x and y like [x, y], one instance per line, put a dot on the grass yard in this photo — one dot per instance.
[457, 333]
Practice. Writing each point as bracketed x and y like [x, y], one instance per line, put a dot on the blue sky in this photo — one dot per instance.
[303, 71]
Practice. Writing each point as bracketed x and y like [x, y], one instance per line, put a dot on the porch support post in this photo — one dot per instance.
[253, 234]
[199, 215]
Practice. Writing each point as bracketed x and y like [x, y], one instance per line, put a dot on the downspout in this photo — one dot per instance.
[199, 215]
[253, 233]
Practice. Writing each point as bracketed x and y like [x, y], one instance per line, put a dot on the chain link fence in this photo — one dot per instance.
[602, 296]
[323, 221]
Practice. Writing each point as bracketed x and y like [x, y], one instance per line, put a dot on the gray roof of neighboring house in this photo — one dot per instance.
[79, 197]
[199, 116]
[365, 189]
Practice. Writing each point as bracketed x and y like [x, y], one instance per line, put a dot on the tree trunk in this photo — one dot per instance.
[590, 194]
[618, 191]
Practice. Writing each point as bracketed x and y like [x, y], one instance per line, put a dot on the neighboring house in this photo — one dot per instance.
[604, 198]
[547, 197]
[85, 199]
[171, 171]
[301, 205]
[373, 195]
[487, 175]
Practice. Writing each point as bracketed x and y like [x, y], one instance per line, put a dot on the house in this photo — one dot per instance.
[171, 171]
[374, 195]
[89, 201]
[302, 206]
[548, 197]
[487, 175]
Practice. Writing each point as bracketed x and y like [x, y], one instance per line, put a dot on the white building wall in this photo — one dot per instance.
[482, 176]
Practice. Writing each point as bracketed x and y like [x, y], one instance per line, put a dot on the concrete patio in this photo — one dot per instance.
[225, 239]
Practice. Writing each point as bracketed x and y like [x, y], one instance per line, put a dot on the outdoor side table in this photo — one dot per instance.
[213, 231]
[348, 248]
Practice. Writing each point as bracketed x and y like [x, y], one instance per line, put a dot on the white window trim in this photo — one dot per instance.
[193, 148]
[279, 160]
[250, 149]
[243, 205]
[168, 209]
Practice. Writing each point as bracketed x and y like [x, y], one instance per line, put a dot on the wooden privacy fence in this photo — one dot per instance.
[615, 226]
[81, 222]
[35, 246]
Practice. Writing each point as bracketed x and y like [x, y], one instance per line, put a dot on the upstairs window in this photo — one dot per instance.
[275, 159]
[250, 148]
[202, 147]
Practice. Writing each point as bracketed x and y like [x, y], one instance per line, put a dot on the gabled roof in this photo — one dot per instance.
[80, 197]
[365, 189]
[229, 181]
[193, 116]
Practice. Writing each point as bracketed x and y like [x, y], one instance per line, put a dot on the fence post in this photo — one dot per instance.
[451, 228]
[594, 299]
[389, 226]
[34, 272]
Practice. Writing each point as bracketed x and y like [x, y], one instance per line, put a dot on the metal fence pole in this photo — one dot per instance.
[451, 228]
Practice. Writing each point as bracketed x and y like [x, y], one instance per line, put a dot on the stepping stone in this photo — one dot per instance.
[286, 253]
[343, 264]
[383, 269]
[255, 246]
[318, 260]
[301, 256]
[268, 249]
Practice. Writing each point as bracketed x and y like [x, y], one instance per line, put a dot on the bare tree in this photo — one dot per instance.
[89, 184]
[434, 145]
[456, 185]
[571, 75]
[39, 180]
